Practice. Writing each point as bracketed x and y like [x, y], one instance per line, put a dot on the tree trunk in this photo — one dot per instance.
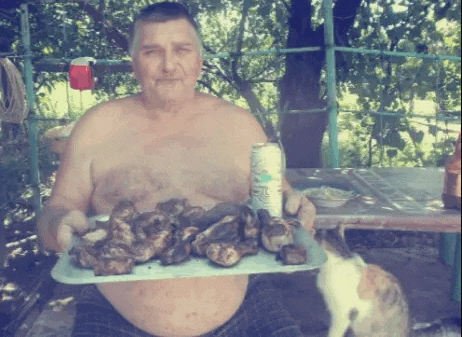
[300, 89]
[302, 133]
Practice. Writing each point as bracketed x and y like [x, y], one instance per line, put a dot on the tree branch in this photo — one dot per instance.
[240, 39]
[208, 86]
[286, 4]
[344, 18]
[112, 33]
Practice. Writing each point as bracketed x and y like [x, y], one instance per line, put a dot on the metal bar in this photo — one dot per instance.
[448, 223]
[265, 52]
[398, 54]
[33, 135]
[331, 83]
[403, 114]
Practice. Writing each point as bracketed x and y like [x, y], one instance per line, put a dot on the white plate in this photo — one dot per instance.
[319, 196]
[264, 262]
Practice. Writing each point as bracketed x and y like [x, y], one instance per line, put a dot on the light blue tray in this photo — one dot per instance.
[263, 262]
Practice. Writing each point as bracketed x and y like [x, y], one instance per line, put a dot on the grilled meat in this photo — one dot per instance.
[225, 229]
[191, 217]
[228, 254]
[293, 254]
[249, 222]
[276, 232]
[113, 266]
[216, 214]
[173, 206]
[225, 234]
[181, 248]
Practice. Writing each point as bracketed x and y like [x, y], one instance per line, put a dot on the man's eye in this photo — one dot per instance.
[152, 52]
[183, 50]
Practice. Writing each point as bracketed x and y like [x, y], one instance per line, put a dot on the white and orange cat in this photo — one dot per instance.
[364, 300]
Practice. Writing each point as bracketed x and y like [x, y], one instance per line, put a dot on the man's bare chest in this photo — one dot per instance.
[146, 167]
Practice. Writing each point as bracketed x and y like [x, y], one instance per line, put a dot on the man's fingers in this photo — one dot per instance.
[293, 203]
[77, 220]
[64, 237]
[307, 214]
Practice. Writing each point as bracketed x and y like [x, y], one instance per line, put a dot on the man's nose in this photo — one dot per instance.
[169, 62]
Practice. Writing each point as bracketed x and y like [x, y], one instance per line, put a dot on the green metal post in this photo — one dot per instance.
[33, 136]
[447, 244]
[331, 83]
[456, 277]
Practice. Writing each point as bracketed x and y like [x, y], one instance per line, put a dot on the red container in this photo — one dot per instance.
[81, 74]
[452, 180]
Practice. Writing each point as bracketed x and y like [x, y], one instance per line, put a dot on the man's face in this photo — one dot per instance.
[166, 59]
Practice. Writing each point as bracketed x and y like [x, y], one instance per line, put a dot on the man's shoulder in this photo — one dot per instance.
[218, 105]
[101, 117]
[236, 120]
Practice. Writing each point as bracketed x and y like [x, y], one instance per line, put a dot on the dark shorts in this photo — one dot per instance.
[261, 315]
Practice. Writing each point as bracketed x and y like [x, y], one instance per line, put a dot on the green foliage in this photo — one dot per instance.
[375, 83]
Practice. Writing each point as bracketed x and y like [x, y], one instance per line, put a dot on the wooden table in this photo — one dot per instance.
[388, 198]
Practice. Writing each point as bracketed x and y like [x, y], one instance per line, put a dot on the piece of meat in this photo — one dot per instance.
[124, 210]
[143, 251]
[228, 254]
[113, 249]
[275, 232]
[181, 248]
[191, 217]
[84, 256]
[174, 206]
[122, 232]
[249, 222]
[113, 266]
[217, 213]
[293, 254]
[153, 234]
[120, 222]
[176, 254]
[226, 229]
[249, 247]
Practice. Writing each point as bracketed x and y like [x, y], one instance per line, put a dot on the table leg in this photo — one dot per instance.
[456, 280]
[447, 247]
[3, 249]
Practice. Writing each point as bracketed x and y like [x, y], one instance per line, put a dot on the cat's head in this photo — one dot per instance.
[332, 241]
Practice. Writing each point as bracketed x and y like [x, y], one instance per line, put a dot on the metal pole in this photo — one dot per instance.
[331, 83]
[398, 54]
[33, 136]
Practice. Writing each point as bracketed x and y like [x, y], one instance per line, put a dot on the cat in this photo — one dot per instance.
[364, 300]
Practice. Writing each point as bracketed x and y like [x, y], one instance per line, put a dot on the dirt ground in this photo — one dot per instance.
[426, 282]
[425, 279]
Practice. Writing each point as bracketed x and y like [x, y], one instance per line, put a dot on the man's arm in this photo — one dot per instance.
[65, 211]
[248, 132]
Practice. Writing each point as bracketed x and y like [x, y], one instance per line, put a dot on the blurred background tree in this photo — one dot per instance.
[270, 84]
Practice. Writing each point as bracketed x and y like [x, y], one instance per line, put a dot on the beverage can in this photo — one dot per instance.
[267, 171]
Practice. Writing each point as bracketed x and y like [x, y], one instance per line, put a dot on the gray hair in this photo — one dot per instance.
[163, 12]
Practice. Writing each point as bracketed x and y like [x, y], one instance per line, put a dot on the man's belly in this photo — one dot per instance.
[178, 307]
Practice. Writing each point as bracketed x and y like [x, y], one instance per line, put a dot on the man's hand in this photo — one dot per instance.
[56, 230]
[298, 204]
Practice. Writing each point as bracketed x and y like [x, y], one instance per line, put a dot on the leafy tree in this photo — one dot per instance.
[273, 83]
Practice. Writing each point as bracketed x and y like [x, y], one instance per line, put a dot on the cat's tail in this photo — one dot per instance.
[446, 327]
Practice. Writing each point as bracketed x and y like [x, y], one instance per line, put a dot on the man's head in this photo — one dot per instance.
[166, 51]
[162, 12]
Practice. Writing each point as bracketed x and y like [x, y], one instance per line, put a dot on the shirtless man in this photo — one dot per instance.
[168, 141]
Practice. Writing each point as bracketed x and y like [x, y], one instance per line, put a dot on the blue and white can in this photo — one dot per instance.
[267, 171]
